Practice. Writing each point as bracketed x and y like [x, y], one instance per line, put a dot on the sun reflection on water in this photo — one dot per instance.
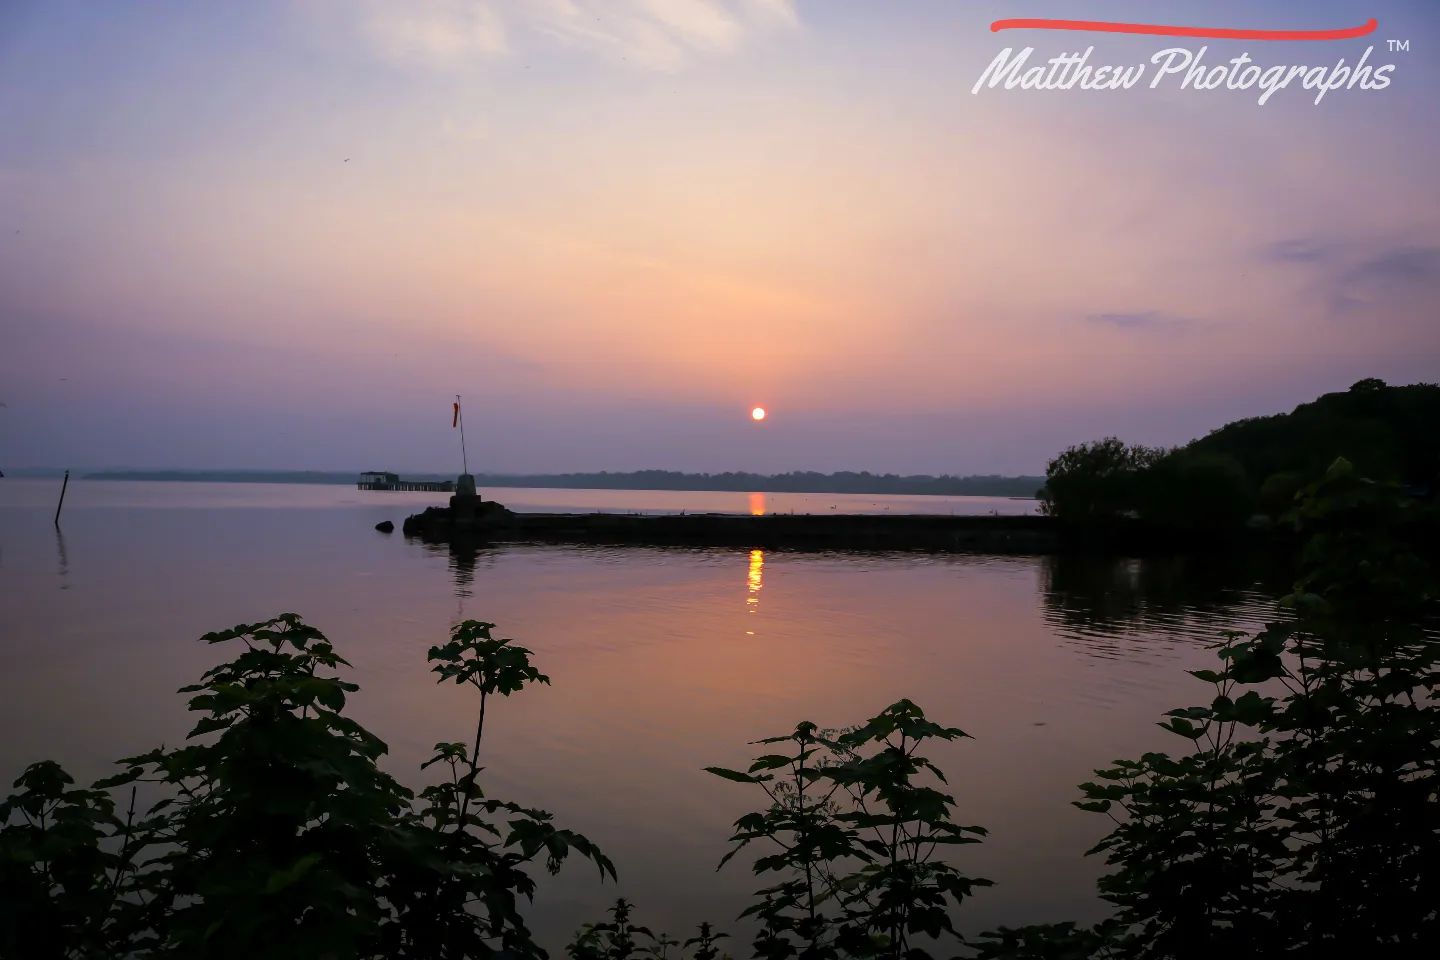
[755, 579]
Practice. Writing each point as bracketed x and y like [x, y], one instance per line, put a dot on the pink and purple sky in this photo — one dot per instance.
[283, 235]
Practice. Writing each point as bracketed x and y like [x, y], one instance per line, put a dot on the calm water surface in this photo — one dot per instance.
[662, 662]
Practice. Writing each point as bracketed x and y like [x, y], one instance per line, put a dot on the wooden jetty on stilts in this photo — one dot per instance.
[380, 480]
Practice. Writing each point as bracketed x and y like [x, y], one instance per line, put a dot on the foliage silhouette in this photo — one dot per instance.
[857, 822]
[1215, 484]
[276, 834]
[1387, 432]
[620, 939]
[1304, 819]
[1094, 482]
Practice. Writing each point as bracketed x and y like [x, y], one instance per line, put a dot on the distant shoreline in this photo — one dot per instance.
[1014, 488]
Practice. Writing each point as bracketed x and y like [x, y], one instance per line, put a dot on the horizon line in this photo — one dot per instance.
[516, 473]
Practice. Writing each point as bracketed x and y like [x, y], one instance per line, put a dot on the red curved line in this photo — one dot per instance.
[1212, 33]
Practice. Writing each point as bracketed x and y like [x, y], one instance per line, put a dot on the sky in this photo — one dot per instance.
[283, 235]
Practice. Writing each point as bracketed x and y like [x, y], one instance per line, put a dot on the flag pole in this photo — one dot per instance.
[460, 419]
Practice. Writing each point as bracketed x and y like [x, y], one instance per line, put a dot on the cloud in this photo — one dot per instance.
[1148, 320]
[616, 31]
[434, 33]
[1352, 262]
[648, 34]
[1350, 275]
[465, 131]
[1400, 278]
[658, 34]
[772, 13]
[701, 24]
[1399, 265]
[1302, 250]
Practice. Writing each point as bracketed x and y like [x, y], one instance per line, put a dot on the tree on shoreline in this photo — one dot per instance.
[1304, 819]
[1094, 482]
[1214, 485]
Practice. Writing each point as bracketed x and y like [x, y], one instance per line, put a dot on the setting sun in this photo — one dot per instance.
[757, 414]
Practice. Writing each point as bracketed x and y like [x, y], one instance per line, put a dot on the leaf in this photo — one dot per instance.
[1183, 727]
[735, 775]
[774, 761]
[290, 875]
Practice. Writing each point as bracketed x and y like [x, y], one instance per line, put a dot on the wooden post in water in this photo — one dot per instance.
[64, 484]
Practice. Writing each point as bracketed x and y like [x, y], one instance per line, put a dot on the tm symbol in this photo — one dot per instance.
[1399, 46]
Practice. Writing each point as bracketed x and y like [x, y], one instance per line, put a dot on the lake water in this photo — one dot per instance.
[662, 662]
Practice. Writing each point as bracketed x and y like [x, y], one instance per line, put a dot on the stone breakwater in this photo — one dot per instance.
[485, 521]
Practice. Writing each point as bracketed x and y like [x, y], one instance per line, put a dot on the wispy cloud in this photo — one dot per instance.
[1354, 274]
[435, 33]
[1299, 250]
[617, 31]
[1397, 265]
[772, 13]
[1147, 320]
[647, 34]
[1389, 279]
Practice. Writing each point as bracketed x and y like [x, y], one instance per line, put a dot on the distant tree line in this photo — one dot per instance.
[1251, 470]
[805, 481]
[800, 481]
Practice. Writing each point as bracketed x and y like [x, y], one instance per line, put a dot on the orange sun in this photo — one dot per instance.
[757, 414]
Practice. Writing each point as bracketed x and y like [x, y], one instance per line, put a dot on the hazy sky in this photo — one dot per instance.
[283, 235]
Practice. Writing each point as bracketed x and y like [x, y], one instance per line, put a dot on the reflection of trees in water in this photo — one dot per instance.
[1094, 596]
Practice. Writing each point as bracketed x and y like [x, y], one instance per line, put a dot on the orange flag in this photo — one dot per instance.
[455, 418]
